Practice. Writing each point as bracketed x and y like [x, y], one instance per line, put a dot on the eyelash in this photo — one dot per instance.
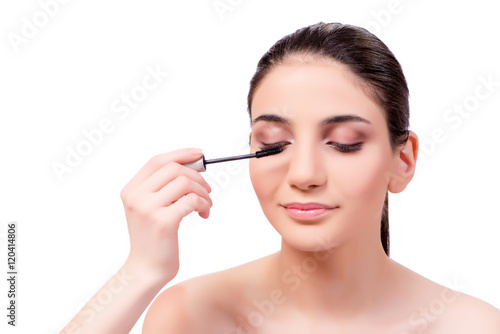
[343, 148]
[273, 145]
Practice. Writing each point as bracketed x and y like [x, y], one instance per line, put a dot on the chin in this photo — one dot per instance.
[309, 237]
[315, 235]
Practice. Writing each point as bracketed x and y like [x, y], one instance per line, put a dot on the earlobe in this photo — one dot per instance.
[405, 163]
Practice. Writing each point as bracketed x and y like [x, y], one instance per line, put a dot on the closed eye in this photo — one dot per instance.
[345, 148]
[270, 146]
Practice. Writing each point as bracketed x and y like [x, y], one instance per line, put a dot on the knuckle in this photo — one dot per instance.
[135, 205]
[128, 202]
[129, 207]
[194, 199]
[200, 203]
[184, 182]
[186, 206]
[124, 195]
[157, 161]
[173, 167]
[209, 203]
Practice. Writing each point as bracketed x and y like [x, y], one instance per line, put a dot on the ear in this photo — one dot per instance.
[250, 138]
[404, 165]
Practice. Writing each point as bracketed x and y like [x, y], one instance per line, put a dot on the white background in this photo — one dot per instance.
[64, 79]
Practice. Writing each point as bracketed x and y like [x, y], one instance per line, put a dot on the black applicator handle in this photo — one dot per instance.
[200, 164]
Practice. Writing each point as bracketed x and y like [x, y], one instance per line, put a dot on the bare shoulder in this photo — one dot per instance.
[468, 314]
[432, 308]
[167, 313]
[206, 304]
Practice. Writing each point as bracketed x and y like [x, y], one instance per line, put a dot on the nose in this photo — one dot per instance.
[306, 170]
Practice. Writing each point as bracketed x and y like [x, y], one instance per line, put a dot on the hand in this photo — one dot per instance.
[155, 201]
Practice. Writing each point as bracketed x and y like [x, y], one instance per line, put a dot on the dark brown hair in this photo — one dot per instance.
[367, 57]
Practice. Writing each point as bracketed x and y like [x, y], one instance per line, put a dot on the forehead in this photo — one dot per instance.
[305, 91]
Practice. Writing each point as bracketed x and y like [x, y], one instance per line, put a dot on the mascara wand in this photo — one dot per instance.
[200, 164]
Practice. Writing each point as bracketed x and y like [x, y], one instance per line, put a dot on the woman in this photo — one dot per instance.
[336, 100]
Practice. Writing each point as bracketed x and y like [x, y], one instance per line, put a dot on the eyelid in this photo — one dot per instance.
[347, 132]
[265, 146]
[271, 134]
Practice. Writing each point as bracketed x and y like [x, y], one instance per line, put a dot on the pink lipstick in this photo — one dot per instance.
[306, 210]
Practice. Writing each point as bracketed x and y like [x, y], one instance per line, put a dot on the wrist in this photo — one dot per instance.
[136, 269]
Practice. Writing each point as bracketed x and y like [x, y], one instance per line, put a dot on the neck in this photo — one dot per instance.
[347, 278]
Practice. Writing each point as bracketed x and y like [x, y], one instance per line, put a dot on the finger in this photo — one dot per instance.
[181, 156]
[179, 187]
[167, 174]
[204, 214]
[185, 205]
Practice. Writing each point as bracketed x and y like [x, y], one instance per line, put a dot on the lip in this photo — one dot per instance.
[307, 210]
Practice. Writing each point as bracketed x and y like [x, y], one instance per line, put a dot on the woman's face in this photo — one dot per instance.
[330, 181]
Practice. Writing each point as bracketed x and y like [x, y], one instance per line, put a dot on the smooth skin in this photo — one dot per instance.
[331, 274]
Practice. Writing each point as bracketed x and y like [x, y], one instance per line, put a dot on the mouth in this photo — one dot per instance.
[307, 210]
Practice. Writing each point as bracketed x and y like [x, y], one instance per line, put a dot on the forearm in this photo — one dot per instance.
[117, 306]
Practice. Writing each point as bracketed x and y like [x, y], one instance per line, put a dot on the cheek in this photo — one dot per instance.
[261, 182]
[362, 180]
[266, 176]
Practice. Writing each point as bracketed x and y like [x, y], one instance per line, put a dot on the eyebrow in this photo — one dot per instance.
[329, 120]
[344, 118]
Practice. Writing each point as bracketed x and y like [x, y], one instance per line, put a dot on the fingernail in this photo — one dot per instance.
[195, 151]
